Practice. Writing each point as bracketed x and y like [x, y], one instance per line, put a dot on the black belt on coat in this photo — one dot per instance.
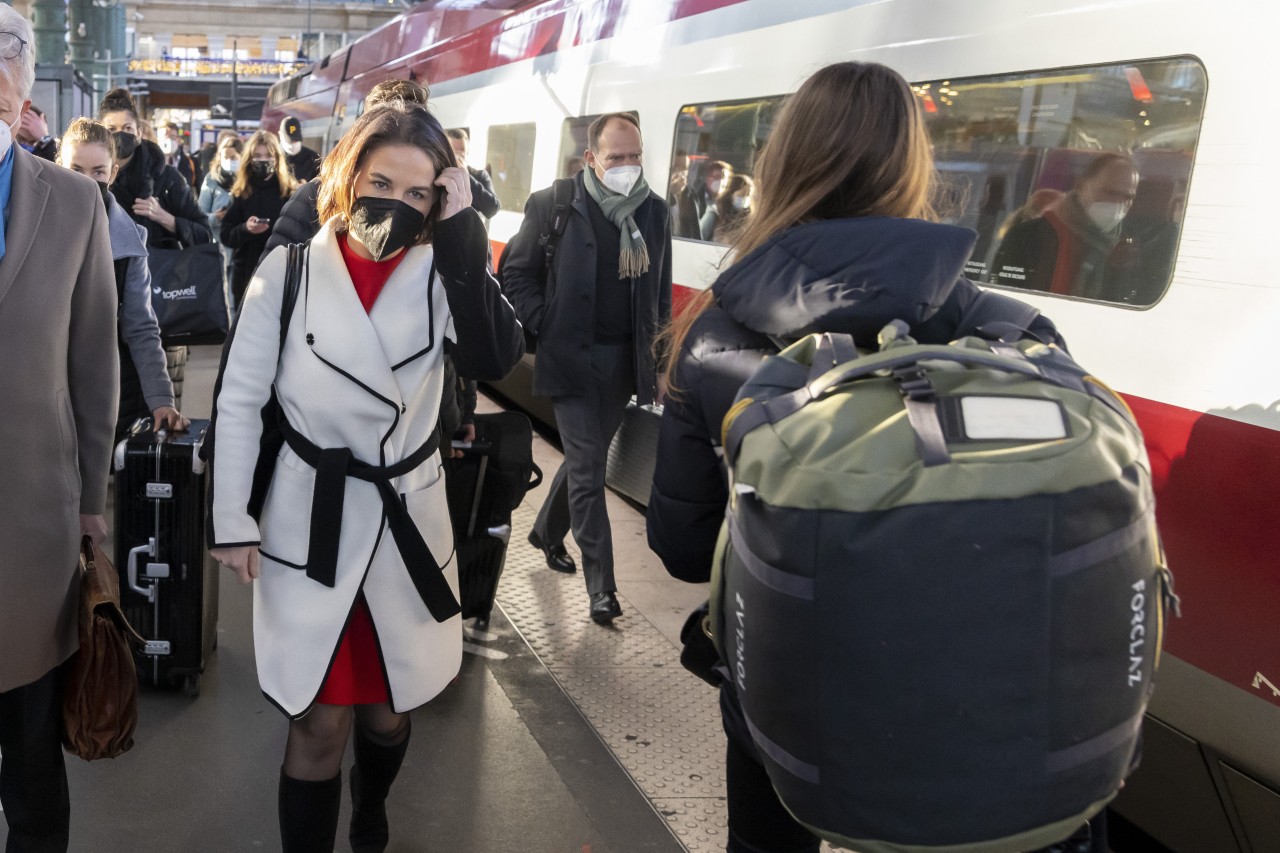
[333, 466]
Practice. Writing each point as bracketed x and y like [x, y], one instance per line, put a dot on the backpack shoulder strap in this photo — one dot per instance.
[561, 200]
[294, 267]
[997, 316]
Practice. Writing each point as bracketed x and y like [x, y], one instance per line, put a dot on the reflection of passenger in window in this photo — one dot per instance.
[1069, 249]
[732, 209]
[706, 179]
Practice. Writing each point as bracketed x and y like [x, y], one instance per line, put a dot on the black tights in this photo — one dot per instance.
[758, 822]
[318, 740]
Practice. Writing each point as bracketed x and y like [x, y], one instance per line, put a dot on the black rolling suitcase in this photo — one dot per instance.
[168, 581]
[484, 487]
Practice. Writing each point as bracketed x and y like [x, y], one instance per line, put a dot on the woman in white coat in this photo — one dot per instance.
[355, 599]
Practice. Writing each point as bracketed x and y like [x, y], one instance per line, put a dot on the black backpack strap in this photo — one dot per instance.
[298, 261]
[996, 316]
[561, 200]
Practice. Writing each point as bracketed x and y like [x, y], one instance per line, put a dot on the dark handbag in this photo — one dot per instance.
[100, 686]
[699, 654]
[189, 294]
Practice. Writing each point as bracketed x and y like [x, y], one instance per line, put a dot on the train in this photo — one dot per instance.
[1019, 97]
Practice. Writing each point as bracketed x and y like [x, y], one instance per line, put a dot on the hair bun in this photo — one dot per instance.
[118, 100]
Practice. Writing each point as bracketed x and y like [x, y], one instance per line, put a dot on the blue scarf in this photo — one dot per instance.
[6, 189]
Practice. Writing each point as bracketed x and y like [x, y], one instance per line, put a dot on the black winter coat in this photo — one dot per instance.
[305, 165]
[299, 221]
[846, 275]
[247, 249]
[147, 171]
[560, 309]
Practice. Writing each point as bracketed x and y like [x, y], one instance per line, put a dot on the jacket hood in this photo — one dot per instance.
[846, 275]
[128, 238]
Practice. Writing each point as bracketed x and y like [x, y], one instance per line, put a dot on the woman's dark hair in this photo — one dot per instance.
[395, 123]
[118, 100]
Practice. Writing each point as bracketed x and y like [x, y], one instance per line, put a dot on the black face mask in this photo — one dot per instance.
[126, 144]
[105, 189]
[385, 225]
[262, 169]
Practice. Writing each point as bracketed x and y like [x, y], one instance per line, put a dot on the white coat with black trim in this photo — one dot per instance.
[371, 383]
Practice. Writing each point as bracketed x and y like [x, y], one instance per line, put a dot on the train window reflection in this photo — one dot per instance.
[711, 189]
[1074, 179]
[510, 163]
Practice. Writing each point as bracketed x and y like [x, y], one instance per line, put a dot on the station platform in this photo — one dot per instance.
[559, 736]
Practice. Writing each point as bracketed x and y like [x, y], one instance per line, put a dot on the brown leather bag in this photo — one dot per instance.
[100, 691]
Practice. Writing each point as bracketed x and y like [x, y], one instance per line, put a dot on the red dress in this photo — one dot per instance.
[356, 676]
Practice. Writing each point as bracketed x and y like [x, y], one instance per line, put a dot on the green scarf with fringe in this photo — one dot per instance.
[633, 259]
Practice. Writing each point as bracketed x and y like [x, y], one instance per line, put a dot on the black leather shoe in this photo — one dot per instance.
[605, 608]
[558, 558]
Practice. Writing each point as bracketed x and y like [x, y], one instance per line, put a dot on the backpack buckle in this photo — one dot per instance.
[913, 382]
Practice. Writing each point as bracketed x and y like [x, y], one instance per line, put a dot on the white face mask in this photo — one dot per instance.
[1106, 215]
[230, 166]
[290, 148]
[166, 145]
[6, 136]
[715, 186]
[621, 179]
[741, 202]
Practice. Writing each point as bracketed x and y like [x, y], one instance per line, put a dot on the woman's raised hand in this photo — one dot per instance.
[456, 183]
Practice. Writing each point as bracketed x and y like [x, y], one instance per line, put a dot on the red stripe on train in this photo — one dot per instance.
[1215, 480]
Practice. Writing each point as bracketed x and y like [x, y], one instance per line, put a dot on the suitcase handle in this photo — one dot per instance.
[150, 550]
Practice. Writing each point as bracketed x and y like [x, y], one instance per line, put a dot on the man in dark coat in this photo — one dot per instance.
[303, 162]
[594, 314]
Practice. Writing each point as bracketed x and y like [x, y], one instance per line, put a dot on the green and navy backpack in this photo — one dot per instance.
[939, 589]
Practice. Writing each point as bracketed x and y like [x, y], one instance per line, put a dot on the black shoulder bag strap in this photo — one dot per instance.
[561, 200]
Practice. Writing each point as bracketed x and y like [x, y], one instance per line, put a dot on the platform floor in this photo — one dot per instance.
[559, 736]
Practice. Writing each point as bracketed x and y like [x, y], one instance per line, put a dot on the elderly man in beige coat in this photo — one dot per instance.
[58, 381]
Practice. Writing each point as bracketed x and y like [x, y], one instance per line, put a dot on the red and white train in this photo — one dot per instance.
[1019, 96]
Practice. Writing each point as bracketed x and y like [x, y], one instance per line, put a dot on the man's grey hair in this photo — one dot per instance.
[19, 72]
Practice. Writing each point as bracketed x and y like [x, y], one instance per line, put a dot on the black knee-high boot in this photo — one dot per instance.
[309, 814]
[371, 777]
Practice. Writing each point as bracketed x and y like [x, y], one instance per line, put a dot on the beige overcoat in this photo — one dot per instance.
[58, 383]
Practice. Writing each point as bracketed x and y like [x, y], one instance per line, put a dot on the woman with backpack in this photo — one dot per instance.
[263, 184]
[88, 148]
[355, 606]
[843, 203]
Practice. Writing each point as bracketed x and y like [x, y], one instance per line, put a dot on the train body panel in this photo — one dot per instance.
[1196, 361]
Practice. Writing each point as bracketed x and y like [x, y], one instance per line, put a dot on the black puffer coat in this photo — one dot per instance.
[147, 171]
[299, 220]
[845, 275]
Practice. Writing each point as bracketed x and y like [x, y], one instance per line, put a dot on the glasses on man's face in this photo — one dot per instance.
[11, 45]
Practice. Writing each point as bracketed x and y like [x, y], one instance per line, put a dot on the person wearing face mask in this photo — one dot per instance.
[355, 601]
[88, 148]
[594, 313]
[304, 163]
[706, 181]
[58, 380]
[215, 191]
[1068, 250]
[157, 196]
[732, 209]
[263, 184]
[175, 152]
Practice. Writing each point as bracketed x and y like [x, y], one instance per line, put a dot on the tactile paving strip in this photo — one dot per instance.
[661, 723]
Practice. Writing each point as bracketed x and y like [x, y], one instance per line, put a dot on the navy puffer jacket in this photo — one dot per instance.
[845, 275]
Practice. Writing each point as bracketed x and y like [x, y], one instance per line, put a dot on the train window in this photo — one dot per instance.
[1075, 179]
[510, 163]
[573, 141]
[713, 158]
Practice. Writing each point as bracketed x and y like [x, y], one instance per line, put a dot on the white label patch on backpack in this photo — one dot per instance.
[1012, 419]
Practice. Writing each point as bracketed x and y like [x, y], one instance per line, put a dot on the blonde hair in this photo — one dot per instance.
[85, 131]
[243, 186]
[850, 142]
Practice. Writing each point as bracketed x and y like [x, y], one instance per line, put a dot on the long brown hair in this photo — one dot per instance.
[243, 186]
[851, 142]
[395, 123]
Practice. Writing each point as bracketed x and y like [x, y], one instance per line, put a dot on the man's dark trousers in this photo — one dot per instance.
[33, 777]
[576, 498]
